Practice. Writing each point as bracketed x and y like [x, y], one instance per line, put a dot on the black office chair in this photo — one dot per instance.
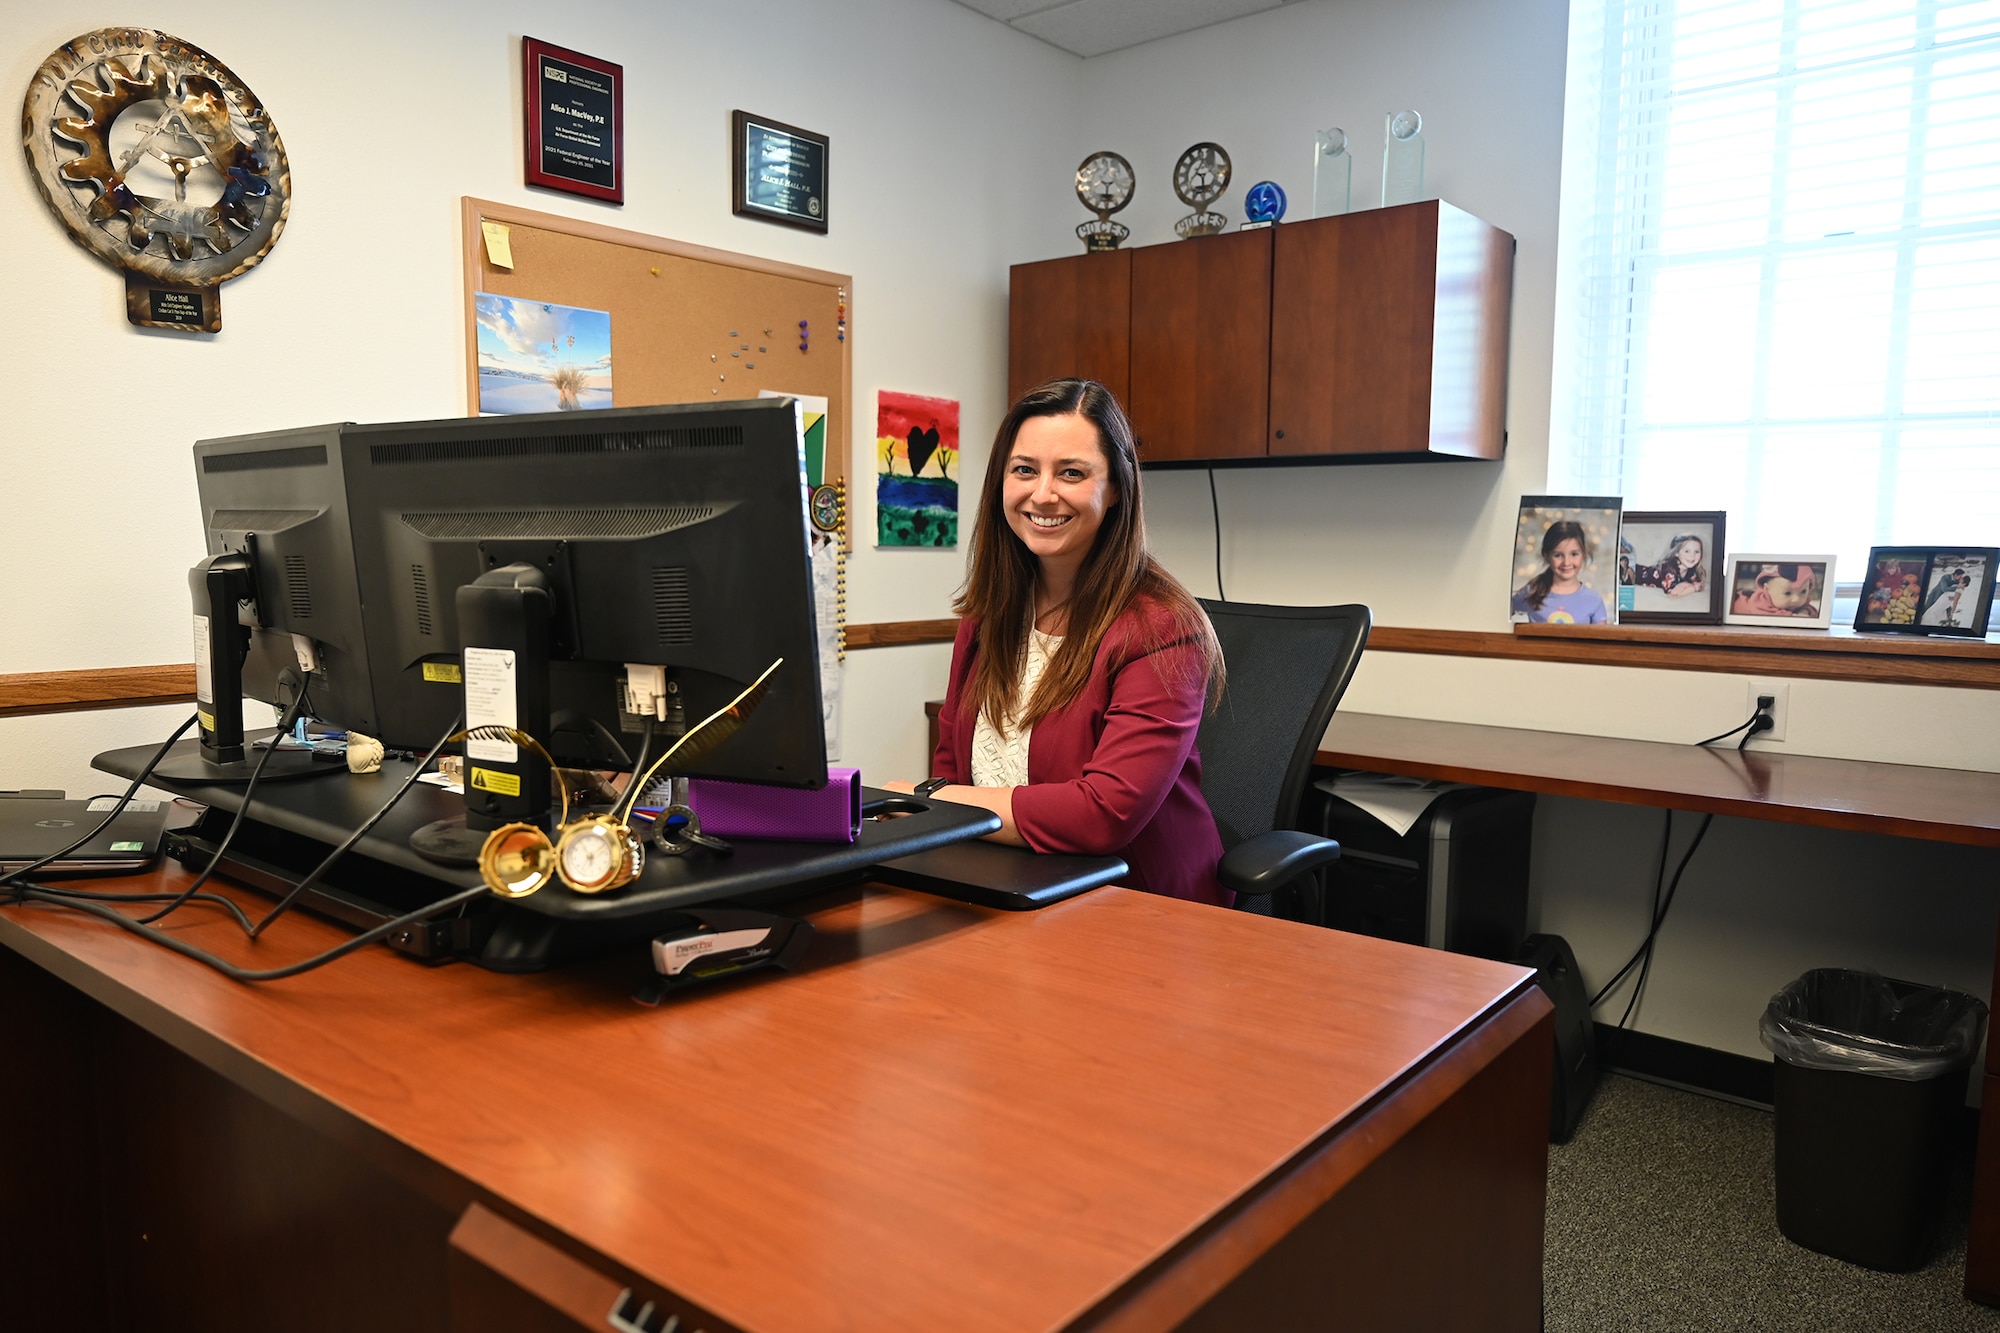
[1287, 668]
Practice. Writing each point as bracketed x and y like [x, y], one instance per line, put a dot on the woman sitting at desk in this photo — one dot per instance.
[1081, 667]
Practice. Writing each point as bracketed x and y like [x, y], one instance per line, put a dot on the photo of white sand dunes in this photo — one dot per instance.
[535, 356]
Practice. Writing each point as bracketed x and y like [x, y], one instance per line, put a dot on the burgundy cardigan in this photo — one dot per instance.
[1115, 773]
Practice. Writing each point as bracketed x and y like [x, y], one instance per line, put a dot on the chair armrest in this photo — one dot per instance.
[1270, 861]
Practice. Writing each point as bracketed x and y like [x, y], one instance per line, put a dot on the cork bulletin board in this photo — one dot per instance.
[688, 323]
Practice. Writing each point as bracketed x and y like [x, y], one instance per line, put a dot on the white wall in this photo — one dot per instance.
[1428, 545]
[940, 121]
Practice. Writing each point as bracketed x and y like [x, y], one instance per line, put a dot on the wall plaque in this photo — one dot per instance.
[780, 172]
[161, 163]
[575, 121]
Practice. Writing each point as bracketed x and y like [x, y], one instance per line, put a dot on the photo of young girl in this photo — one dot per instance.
[1666, 568]
[1563, 548]
[1781, 589]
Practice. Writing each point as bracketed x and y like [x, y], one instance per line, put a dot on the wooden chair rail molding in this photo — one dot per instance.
[31, 692]
[1838, 654]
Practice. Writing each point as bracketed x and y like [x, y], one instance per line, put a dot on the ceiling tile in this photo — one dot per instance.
[1008, 10]
[1093, 27]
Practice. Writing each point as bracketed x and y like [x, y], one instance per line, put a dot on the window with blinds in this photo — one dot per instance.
[1779, 287]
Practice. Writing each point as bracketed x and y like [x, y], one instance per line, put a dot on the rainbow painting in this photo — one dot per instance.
[916, 470]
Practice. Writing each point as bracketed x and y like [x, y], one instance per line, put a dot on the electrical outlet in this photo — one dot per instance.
[1780, 706]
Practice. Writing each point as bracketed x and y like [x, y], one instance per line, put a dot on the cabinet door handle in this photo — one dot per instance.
[1281, 435]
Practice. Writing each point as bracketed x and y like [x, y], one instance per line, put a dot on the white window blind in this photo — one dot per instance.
[1779, 289]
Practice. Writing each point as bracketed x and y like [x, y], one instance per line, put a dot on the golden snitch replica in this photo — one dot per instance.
[600, 852]
[159, 161]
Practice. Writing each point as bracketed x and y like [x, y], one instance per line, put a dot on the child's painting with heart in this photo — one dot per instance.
[916, 470]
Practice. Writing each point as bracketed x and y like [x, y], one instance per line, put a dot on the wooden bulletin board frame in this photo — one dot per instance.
[673, 307]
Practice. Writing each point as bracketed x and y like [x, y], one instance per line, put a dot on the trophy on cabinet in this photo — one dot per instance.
[1333, 174]
[1200, 177]
[1104, 183]
[1403, 159]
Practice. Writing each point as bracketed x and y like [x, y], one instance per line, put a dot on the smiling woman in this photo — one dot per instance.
[1081, 667]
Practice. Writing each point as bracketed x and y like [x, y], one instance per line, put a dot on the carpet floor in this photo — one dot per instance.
[1662, 1215]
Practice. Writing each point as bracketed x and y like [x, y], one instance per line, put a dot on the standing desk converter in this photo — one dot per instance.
[1906, 800]
[1119, 1113]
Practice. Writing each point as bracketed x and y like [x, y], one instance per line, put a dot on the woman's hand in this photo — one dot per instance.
[1000, 800]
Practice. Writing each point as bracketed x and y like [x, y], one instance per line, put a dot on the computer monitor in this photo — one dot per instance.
[673, 536]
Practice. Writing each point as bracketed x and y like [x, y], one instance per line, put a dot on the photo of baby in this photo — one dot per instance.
[1564, 546]
[1666, 568]
[1795, 590]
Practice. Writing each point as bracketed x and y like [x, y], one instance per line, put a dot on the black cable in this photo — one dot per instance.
[1652, 912]
[91, 902]
[1733, 730]
[116, 810]
[285, 721]
[231, 970]
[1665, 907]
[1215, 512]
[209, 899]
[313, 876]
[1642, 957]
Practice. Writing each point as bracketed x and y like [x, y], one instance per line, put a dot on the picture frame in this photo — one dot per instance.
[1656, 585]
[1945, 590]
[778, 172]
[574, 108]
[1781, 591]
[1565, 561]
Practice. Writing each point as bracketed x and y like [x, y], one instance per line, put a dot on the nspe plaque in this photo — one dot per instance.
[576, 121]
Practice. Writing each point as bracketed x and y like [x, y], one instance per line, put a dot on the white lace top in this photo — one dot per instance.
[1000, 757]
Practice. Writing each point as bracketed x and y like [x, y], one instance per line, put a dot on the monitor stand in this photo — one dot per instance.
[192, 767]
[449, 842]
[292, 827]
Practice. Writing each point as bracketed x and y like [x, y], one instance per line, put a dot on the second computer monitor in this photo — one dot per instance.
[673, 535]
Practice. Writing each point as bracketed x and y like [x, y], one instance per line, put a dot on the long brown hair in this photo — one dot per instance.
[1000, 585]
[1560, 531]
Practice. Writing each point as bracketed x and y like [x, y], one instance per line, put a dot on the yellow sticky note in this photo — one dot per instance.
[499, 248]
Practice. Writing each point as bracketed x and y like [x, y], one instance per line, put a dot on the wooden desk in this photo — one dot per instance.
[1119, 1113]
[1940, 804]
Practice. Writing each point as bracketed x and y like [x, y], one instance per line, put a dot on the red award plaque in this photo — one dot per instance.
[575, 108]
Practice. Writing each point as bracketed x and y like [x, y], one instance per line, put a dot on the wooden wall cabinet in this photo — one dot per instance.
[1377, 336]
[1071, 317]
[1201, 347]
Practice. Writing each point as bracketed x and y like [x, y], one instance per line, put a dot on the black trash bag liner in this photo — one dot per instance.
[1862, 1022]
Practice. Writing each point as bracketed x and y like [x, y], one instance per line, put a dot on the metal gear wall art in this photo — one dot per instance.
[159, 161]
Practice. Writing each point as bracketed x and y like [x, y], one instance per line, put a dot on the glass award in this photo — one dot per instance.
[1265, 203]
[1333, 174]
[1403, 159]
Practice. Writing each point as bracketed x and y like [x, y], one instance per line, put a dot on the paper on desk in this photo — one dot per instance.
[437, 779]
[1398, 802]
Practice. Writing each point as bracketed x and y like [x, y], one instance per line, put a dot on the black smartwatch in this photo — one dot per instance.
[929, 785]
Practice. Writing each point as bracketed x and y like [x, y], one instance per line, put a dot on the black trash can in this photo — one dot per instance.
[1870, 1083]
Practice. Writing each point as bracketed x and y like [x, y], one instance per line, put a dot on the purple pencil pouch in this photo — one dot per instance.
[754, 812]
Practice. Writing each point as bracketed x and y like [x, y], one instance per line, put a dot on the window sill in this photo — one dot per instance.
[1836, 654]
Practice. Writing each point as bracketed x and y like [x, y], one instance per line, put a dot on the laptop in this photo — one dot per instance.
[31, 827]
